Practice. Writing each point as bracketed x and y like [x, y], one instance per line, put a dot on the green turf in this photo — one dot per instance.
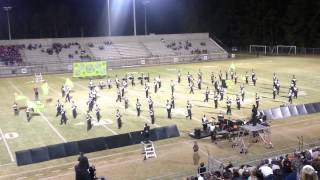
[38, 133]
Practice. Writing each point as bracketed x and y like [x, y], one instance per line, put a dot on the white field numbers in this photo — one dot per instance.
[10, 135]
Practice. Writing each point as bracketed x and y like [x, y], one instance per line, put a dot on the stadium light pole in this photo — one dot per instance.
[134, 17]
[145, 3]
[109, 21]
[7, 9]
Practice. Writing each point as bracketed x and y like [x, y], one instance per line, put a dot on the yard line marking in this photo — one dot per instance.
[41, 114]
[113, 132]
[7, 146]
[40, 174]
[55, 171]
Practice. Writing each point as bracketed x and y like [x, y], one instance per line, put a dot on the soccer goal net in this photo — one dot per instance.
[285, 50]
[258, 49]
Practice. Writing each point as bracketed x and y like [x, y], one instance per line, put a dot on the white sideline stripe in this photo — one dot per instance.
[43, 117]
[24, 177]
[7, 146]
[113, 132]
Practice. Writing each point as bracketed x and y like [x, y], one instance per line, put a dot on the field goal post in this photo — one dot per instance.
[257, 49]
[286, 49]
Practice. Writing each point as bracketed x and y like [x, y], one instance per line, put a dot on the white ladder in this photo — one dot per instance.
[149, 150]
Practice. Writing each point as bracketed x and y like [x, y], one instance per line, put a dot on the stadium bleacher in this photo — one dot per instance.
[65, 50]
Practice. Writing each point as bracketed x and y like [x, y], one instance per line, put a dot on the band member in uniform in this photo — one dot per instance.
[213, 133]
[257, 100]
[109, 83]
[228, 106]
[159, 82]
[74, 110]
[212, 78]
[220, 75]
[63, 119]
[150, 102]
[155, 85]
[247, 78]
[189, 77]
[172, 87]
[189, 107]
[146, 89]
[179, 76]
[232, 75]
[117, 81]
[278, 86]
[141, 79]
[118, 117]
[215, 99]
[227, 75]
[67, 97]
[207, 95]
[122, 91]
[294, 80]
[62, 91]
[58, 108]
[242, 92]
[295, 92]
[126, 103]
[199, 83]
[151, 112]
[200, 75]
[91, 85]
[102, 84]
[138, 107]
[191, 87]
[98, 115]
[254, 80]
[274, 92]
[15, 109]
[131, 77]
[290, 96]
[118, 95]
[90, 104]
[235, 78]
[89, 123]
[221, 93]
[28, 114]
[168, 106]
[238, 102]
[36, 93]
[172, 102]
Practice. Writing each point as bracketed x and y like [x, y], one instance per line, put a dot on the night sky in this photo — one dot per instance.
[234, 22]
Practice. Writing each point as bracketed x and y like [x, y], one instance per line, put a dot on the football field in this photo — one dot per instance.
[44, 128]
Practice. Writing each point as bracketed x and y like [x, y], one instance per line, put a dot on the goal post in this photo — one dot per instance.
[258, 49]
[286, 49]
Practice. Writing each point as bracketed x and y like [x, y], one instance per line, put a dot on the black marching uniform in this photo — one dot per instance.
[238, 102]
[215, 99]
[126, 103]
[28, 114]
[58, 108]
[207, 95]
[138, 107]
[118, 95]
[168, 106]
[89, 123]
[274, 92]
[179, 77]
[172, 102]
[74, 110]
[98, 115]
[119, 121]
[146, 89]
[15, 109]
[63, 119]
[228, 106]
[151, 112]
[189, 107]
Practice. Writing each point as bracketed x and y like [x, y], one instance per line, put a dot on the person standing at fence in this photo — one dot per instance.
[196, 156]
